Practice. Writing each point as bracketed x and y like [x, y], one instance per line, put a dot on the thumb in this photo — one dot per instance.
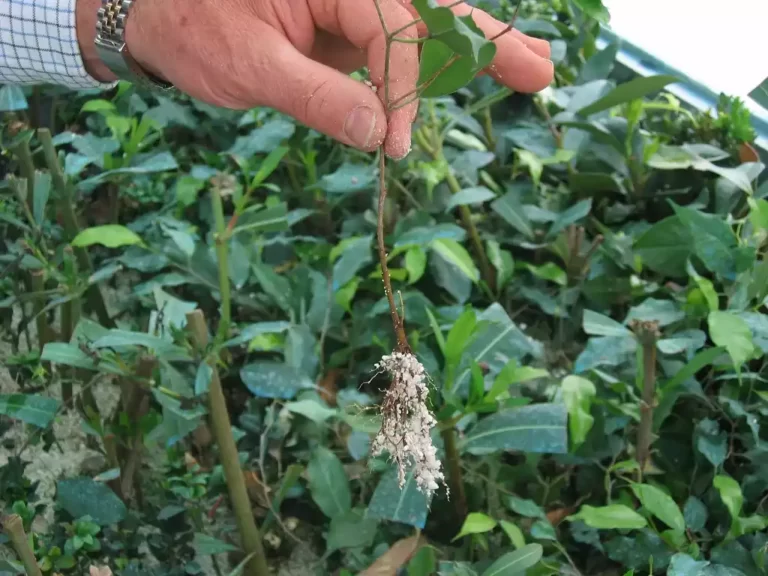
[324, 99]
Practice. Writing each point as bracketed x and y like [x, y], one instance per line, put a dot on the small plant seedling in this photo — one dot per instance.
[454, 51]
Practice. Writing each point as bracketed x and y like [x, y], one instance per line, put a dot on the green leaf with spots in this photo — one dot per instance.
[86, 497]
[540, 428]
[390, 502]
[29, 408]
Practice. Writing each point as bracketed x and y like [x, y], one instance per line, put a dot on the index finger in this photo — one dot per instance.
[366, 24]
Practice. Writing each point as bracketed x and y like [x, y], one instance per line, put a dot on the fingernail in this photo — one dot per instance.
[359, 126]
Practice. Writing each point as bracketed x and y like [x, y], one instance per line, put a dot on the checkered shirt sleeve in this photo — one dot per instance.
[38, 45]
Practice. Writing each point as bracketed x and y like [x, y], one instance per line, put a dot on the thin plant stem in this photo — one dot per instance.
[66, 205]
[455, 474]
[648, 334]
[416, 21]
[26, 166]
[222, 254]
[70, 317]
[13, 526]
[37, 284]
[230, 461]
[397, 322]
[136, 398]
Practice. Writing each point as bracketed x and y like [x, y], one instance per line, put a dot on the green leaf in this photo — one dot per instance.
[263, 139]
[257, 219]
[269, 165]
[612, 517]
[572, 215]
[12, 98]
[632, 90]
[41, 193]
[355, 255]
[475, 523]
[460, 335]
[503, 261]
[514, 533]
[407, 505]
[665, 312]
[203, 378]
[577, 396]
[695, 514]
[312, 409]
[600, 65]
[665, 247]
[206, 545]
[549, 271]
[525, 507]
[711, 442]
[509, 208]
[543, 530]
[594, 9]
[423, 563]
[274, 380]
[85, 497]
[702, 359]
[71, 355]
[730, 494]
[456, 254]
[732, 333]
[660, 505]
[713, 240]
[539, 428]
[517, 562]
[29, 408]
[596, 324]
[351, 530]
[349, 178]
[459, 33]
[109, 235]
[415, 263]
[439, 78]
[425, 235]
[328, 483]
[470, 196]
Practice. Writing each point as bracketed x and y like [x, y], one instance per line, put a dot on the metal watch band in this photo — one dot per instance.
[111, 47]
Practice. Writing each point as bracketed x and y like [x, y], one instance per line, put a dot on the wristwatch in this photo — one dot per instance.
[111, 47]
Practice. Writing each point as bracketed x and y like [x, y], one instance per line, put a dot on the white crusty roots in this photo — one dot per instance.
[407, 422]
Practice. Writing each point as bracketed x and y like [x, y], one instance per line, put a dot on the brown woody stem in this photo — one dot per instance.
[13, 526]
[230, 460]
[647, 334]
[37, 282]
[455, 474]
[397, 322]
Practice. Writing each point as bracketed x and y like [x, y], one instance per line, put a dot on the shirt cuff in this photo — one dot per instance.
[38, 45]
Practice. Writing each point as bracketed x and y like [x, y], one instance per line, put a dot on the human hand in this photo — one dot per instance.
[295, 56]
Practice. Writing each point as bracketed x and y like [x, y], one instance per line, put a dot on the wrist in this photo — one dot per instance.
[86, 14]
[85, 17]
